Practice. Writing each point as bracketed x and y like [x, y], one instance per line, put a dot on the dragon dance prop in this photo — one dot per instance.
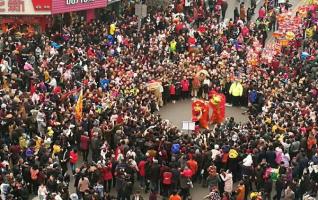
[217, 103]
[200, 113]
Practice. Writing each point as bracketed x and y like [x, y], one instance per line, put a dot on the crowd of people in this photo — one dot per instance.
[121, 144]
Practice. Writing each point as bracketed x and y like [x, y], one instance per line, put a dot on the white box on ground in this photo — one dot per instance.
[188, 125]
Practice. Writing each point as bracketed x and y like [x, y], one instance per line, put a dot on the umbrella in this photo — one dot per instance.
[304, 55]
[27, 66]
[153, 85]
[187, 173]
[290, 35]
[203, 71]
[277, 34]
[55, 45]
[9, 116]
[233, 153]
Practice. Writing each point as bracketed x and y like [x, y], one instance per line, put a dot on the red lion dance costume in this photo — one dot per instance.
[217, 103]
[200, 113]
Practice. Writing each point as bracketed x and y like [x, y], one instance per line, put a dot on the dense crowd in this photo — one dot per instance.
[121, 143]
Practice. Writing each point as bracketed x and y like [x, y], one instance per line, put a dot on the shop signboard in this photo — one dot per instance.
[64, 6]
[25, 7]
[141, 10]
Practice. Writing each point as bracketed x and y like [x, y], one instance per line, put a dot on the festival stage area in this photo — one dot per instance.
[181, 111]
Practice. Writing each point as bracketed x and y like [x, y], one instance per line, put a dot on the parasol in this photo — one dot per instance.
[9, 116]
[304, 55]
[204, 72]
[277, 34]
[290, 35]
[153, 85]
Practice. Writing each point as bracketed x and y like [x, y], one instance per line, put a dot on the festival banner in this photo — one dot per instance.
[64, 6]
[25, 7]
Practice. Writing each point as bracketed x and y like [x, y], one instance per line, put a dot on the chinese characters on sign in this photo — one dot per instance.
[2, 4]
[15, 6]
[65, 6]
[73, 2]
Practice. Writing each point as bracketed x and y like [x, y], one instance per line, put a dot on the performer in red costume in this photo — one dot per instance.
[217, 103]
[200, 113]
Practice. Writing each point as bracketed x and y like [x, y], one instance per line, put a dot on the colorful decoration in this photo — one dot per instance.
[287, 34]
[283, 43]
[253, 53]
[200, 113]
[290, 35]
[217, 103]
[311, 2]
[79, 107]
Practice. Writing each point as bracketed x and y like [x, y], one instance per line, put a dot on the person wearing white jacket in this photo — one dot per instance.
[215, 152]
[227, 177]
[42, 192]
[248, 161]
[247, 165]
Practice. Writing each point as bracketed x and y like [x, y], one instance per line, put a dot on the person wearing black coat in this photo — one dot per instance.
[224, 6]
[233, 165]
[271, 156]
[175, 177]
[305, 184]
[52, 185]
[268, 187]
[64, 157]
[236, 14]
[155, 176]
[279, 187]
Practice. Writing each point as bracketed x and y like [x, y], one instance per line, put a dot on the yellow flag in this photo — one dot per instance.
[79, 107]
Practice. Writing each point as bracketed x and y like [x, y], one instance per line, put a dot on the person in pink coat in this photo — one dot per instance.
[262, 13]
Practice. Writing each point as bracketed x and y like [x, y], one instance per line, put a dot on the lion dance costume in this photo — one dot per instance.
[200, 113]
[217, 103]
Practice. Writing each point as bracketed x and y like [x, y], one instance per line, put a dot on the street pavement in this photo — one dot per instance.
[259, 3]
[236, 3]
[181, 111]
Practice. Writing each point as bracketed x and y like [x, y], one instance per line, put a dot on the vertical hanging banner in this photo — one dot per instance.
[64, 6]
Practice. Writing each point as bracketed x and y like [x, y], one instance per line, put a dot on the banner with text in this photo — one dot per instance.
[25, 7]
[63, 6]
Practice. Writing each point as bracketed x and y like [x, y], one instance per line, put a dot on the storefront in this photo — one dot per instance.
[114, 5]
[19, 14]
[85, 8]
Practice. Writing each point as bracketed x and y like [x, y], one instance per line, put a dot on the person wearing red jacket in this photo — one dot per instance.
[166, 182]
[172, 90]
[142, 172]
[84, 145]
[185, 182]
[193, 165]
[90, 53]
[73, 159]
[107, 176]
[185, 88]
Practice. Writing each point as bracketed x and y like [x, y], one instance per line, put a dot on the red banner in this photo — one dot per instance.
[63, 6]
